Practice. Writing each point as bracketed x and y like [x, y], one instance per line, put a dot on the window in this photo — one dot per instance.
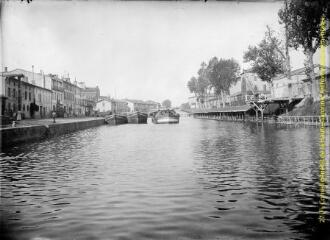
[8, 92]
[25, 95]
[23, 107]
[8, 106]
[27, 108]
[29, 96]
[14, 92]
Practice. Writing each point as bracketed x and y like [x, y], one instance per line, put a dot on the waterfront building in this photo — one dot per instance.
[57, 95]
[192, 101]
[248, 86]
[142, 106]
[316, 84]
[103, 106]
[90, 93]
[37, 79]
[299, 86]
[69, 96]
[43, 99]
[108, 106]
[152, 105]
[89, 96]
[48, 93]
[78, 108]
[119, 106]
[32, 101]
[19, 96]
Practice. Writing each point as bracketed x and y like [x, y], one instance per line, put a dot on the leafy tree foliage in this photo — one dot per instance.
[218, 74]
[192, 85]
[166, 103]
[200, 84]
[267, 58]
[222, 74]
[303, 22]
[185, 106]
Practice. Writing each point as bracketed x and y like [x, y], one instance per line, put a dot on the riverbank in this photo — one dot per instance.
[309, 108]
[288, 120]
[37, 129]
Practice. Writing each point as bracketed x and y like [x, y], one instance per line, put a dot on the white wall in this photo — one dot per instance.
[37, 79]
[103, 106]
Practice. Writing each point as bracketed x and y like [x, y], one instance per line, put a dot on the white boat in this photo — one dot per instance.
[165, 116]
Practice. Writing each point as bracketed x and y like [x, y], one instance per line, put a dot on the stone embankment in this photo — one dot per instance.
[31, 130]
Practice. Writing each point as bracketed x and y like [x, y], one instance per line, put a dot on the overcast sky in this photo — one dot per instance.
[138, 50]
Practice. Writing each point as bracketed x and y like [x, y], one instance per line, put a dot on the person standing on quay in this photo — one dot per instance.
[54, 116]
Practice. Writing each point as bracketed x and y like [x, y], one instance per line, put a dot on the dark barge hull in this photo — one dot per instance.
[116, 119]
[137, 117]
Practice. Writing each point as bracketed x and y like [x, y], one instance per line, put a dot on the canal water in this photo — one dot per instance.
[200, 179]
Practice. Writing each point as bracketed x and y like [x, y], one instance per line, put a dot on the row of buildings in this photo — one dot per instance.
[108, 105]
[37, 95]
[249, 85]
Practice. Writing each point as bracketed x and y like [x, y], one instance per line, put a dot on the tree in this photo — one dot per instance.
[222, 74]
[166, 103]
[303, 23]
[185, 106]
[192, 85]
[199, 85]
[268, 58]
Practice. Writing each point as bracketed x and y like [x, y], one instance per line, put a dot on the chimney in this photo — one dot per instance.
[33, 82]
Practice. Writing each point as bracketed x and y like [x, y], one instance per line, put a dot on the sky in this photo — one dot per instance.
[135, 50]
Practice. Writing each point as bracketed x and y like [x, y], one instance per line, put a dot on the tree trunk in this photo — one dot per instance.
[287, 56]
[218, 101]
[309, 64]
[223, 99]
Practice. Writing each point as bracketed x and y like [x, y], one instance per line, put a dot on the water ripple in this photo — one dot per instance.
[195, 180]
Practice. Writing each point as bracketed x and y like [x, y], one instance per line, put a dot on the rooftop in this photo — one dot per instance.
[301, 71]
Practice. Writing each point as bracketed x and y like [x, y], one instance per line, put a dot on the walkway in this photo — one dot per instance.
[48, 121]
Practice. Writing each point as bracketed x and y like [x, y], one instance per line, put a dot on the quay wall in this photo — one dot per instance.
[16, 135]
[288, 120]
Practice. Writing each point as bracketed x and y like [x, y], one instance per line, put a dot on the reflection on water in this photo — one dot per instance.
[199, 179]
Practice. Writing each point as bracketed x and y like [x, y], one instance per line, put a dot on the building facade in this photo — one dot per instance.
[109, 106]
[43, 100]
[142, 106]
[247, 86]
[34, 78]
[103, 106]
[19, 96]
[91, 93]
[45, 93]
[299, 86]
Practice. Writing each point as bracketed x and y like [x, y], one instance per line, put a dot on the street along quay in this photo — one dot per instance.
[37, 129]
[271, 111]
